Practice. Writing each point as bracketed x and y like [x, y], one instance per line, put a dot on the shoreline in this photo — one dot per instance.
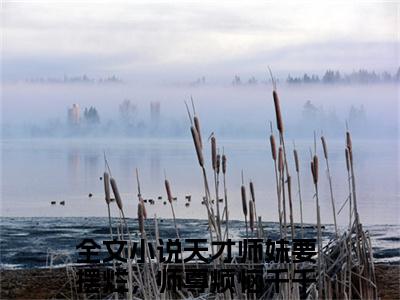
[53, 283]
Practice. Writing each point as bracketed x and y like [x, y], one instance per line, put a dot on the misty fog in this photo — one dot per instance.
[41, 110]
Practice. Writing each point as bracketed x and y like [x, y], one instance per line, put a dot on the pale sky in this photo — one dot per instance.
[181, 39]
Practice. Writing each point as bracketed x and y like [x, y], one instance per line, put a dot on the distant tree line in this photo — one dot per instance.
[330, 77]
[360, 76]
[75, 79]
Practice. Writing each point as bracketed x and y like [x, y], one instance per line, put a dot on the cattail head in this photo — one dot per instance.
[315, 166]
[325, 147]
[348, 141]
[347, 159]
[224, 163]
[140, 217]
[116, 192]
[251, 214]
[106, 179]
[296, 160]
[244, 202]
[144, 207]
[168, 189]
[197, 126]
[279, 121]
[197, 145]
[312, 170]
[218, 163]
[253, 196]
[273, 146]
[214, 153]
[280, 160]
[289, 184]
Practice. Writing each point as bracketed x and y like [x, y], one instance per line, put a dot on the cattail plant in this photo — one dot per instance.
[251, 215]
[244, 204]
[297, 166]
[314, 172]
[225, 195]
[214, 162]
[170, 200]
[277, 180]
[140, 217]
[289, 190]
[282, 187]
[196, 122]
[253, 198]
[117, 196]
[196, 135]
[325, 148]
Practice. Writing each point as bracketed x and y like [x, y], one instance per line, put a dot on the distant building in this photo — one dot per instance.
[154, 112]
[74, 117]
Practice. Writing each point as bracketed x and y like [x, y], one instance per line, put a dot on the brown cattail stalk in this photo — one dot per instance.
[348, 141]
[277, 180]
[325, 147]
[106, 179]
[225, 195]
[289, 184]
[296, 160]
[253, 198]
[315, 166]
[244, 207]
[223, 164]
[297, 165]
[279, 122]
[170, 198]
[314, 171]
[116, 193]
[144, 207]
[168, 189]
[197, 145]
[140, 218]
[251, 214]
[218, 163]
[216, 181]
[282, 186]
[197, 126]
[280, 160]
[214, 153]
[273, 146]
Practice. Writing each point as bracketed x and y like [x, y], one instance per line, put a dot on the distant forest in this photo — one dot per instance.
[330, 77]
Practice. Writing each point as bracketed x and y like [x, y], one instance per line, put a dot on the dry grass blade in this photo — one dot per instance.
[116, 193]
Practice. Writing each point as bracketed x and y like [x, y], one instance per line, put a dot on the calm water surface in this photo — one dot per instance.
[38, 171]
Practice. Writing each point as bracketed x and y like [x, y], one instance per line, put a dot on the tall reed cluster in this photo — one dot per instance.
[344, 263]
